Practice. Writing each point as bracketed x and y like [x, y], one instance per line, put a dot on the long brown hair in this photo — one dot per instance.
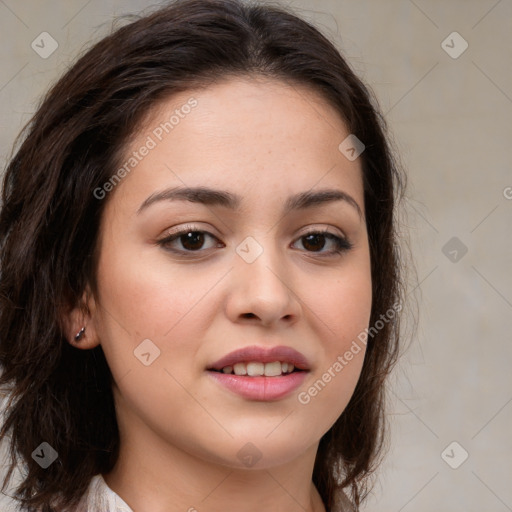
[50, 218]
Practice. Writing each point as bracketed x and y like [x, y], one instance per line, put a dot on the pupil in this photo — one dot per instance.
[315, 239]
[193, 240]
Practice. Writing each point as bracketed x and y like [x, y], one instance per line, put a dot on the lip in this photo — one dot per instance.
[262, 389]
[262, 355]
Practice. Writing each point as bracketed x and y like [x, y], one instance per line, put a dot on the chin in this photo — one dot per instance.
[259, 450]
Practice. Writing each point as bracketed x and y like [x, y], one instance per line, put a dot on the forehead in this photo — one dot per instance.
[250, 134]
[232, 106]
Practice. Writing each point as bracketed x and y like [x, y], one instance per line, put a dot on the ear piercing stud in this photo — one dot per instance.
[80, 334]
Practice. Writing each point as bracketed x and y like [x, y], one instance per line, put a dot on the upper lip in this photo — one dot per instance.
[262, 355]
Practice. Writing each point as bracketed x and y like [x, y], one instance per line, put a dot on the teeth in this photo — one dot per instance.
[240, 369]
[256, 369]
[273, 369]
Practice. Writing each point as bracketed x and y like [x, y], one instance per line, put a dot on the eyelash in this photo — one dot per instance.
[342, 244]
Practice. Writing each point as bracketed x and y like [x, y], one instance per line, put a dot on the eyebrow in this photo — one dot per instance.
[213, 197]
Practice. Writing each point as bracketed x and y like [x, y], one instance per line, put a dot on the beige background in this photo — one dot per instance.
[452, 123]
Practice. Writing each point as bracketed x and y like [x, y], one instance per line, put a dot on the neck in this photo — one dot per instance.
[153, 475]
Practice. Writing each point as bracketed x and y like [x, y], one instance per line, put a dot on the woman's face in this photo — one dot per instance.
[249, 276]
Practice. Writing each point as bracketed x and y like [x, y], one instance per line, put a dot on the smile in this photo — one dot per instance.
[257, 369]
[261, 373]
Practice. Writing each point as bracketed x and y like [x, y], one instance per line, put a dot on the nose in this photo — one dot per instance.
[262, 292]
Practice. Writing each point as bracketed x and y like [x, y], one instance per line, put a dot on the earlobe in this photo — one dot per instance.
[80, 333]
[79, 325]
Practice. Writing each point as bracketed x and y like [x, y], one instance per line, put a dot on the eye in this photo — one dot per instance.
[315, 241]
[190, 238]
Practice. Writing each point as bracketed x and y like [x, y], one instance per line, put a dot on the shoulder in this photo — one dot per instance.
[101, 497]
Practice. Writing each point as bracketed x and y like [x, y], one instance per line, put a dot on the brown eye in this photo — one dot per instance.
[192, 241]
[188, 240]
[315, 241]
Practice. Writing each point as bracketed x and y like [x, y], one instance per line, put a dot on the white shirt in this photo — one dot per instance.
[99, 497]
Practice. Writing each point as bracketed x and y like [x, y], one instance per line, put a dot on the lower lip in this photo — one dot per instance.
[262, 388]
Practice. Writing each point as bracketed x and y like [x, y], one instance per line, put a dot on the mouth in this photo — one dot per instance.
[259, 369]
[258, 361]
[261, 374]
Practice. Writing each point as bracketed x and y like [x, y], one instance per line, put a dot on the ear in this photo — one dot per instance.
[82, 315]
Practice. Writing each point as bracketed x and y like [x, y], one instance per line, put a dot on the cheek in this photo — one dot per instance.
[348, 304]
[149, 301]
[343, 303]
[342, 321]
[143, 302]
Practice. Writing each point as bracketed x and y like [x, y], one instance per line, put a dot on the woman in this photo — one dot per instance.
[200, 281]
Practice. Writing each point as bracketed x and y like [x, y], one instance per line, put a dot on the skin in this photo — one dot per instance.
[180, 430]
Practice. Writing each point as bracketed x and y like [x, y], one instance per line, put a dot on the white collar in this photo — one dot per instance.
[100, 496]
